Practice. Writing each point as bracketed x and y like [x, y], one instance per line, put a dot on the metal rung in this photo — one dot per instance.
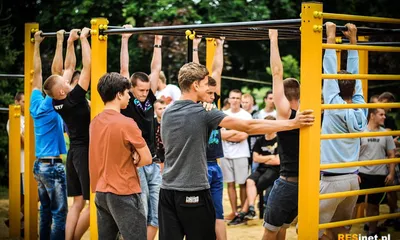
[360, 105]
[360, 47]
[360, 163]
[360, 76]
[358, 192]
[358, 135]
[357, 18]
[358, 220]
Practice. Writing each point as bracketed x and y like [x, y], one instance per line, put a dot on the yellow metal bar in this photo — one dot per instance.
[338, 59]
[31, 192]
[361, 76]
[363, 67]
[14, 171]
[360, 163]
[210, 52]
[310, 98]
[360, 47]
[358, 192]
[358, 220]
[358, 135]
[357, 18]
[360, 105]
[99, 68]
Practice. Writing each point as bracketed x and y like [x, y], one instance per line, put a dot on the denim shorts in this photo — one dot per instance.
[150, 182]
[282, 205]
[216, 187]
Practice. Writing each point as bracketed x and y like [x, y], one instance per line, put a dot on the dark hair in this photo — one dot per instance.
[373, 96]
[292, 89]
[139, 75]
[18, 96]
[226, 101]
[190, 73]
[373, 111]
[346, 86]
[110, 84]
[387, 96]
[235, 91]
[159, 101]
[75, 76]
[212, 82]
[267, 93]
[270, 117]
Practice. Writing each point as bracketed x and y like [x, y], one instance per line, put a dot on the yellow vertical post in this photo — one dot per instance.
[363, 67]
[14, 159]
[31, 192]
[210, 52]
[310, 98]
[99, 68]
[339, 57]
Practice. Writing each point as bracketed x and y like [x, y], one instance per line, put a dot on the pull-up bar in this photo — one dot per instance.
[11, 75]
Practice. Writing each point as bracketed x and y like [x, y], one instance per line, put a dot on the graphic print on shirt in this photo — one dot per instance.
[214, 139]
[270, 149]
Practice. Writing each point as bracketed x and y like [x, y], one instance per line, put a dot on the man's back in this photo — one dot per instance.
[48, 124]
[184, 131]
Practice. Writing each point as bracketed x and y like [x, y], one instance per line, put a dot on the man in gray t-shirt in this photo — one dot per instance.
[375, 176]
[185, 204]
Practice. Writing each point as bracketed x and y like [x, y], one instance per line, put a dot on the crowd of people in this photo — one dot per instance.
[158, 156]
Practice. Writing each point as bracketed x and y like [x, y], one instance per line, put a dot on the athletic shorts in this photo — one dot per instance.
[215, 180]
[372, 181]
[235, 170]
[78, 183]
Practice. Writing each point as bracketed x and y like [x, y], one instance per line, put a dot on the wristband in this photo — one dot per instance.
[195, 49]
[157, 46]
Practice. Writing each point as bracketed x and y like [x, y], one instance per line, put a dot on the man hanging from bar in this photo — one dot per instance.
[48, 170]
[73, 107]
[340, 121]
[141, 110]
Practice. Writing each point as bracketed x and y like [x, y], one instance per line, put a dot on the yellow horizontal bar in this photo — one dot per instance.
[361, 76]
[360, 47]
[358, 192]
[358, 220]
[360, 163]
[358, 135]
[360, 105]
[357, 18]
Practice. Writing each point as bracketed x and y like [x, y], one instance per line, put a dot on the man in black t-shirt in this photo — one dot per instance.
[265, 153]
[73, 107]
[141, 110]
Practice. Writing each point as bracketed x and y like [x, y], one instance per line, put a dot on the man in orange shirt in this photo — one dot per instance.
[116, 149]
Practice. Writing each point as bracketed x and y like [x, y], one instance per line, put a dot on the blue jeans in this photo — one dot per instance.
[52, 190]
[150, 182]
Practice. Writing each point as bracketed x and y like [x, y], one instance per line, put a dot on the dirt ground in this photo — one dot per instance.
[253, 230]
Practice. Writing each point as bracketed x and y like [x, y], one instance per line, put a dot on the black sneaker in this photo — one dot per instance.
[238, 220]
[250, 215]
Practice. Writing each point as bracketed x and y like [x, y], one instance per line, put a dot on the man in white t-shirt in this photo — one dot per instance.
[168, 93]
[19, 99]
[235, 165]
[269, 109]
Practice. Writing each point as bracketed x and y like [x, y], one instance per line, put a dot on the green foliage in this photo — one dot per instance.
[291, 67]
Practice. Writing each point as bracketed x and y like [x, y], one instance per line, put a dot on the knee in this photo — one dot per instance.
[250, 182]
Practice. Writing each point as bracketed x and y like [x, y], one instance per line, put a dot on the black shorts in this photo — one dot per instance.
[189, 214]
[78, 182]
[264, 177]
[372, 181]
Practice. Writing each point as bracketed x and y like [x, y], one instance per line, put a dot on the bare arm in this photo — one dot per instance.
[196, 43]
[144, 156]
[261, 126]
[124, 56]
[70, 58]
[218, 63]
[233, 135]
[269, 159]
[84, 78]
[37, 63]
[280, 100]
[389, 179]
[156, 64]
[57, 65]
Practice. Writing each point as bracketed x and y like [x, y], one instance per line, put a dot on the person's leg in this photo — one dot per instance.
[243, 195]
[154, 182]
[59, 204]
[170, 226]
[241, 172]
[145, 190]
[41, 174]
[227, 171]
[194, 208]
[109, 228]
[251, 191]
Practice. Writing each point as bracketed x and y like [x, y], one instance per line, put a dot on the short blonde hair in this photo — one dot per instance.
[189, 73]
[49, 85]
